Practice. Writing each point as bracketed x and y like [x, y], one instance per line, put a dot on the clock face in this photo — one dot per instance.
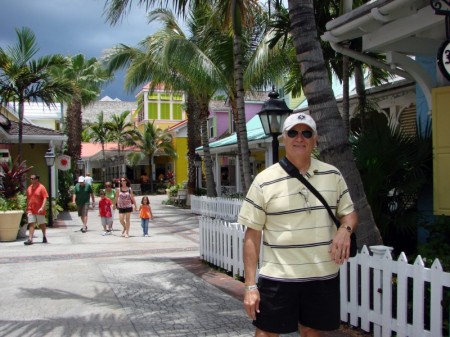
[444, 59]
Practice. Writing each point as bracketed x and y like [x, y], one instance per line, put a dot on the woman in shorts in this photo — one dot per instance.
[125, 203]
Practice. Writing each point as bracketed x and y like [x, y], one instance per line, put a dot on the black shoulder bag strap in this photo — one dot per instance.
[293, 172]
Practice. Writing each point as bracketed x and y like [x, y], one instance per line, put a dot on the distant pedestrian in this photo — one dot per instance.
[105, 212]
[111, 195]
[145, 213]
[124, 202]
[82, 192]
[88, 179]
[36, 201]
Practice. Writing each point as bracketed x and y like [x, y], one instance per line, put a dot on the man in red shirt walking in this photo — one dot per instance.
[36, 200]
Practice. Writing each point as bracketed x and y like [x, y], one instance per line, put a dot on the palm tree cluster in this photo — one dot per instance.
[49, 79]
[234, 46]
[23, 78]
[145, 142]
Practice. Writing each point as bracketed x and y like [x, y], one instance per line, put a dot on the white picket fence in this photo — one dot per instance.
[221, 208]
[378, 294]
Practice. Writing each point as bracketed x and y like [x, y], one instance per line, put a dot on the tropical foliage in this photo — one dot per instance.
[12, 184]
[150, 142]
[395, 168]
[98, 132]
[87, 76]
[24, 78]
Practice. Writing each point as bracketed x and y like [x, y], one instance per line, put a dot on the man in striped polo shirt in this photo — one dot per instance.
[298, 283]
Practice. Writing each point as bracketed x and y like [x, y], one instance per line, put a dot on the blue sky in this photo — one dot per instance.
[70, 27]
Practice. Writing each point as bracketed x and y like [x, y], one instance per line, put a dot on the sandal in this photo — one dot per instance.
[28, 242]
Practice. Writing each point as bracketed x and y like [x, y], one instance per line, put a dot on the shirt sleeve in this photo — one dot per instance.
[253, 212]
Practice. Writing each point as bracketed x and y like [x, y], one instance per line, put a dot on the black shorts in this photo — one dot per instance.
[284, 305]
[125, 210]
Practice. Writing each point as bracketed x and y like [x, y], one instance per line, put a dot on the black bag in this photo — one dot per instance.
[293, 172]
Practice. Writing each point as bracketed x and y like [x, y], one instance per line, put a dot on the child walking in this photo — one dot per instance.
[145, 213]
[105, 212]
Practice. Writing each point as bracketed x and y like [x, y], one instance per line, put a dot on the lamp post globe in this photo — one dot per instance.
[272, 115]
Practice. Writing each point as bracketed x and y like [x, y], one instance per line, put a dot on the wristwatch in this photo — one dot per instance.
[252, 287]
[347, 228]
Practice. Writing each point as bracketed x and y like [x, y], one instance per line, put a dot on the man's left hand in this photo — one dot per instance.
[340, 247]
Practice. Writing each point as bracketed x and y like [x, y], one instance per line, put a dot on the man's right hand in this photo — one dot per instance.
[251, 303]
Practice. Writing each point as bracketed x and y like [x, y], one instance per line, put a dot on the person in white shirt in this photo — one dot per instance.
[88, 179]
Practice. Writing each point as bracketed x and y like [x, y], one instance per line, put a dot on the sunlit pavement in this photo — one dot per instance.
[86, 284]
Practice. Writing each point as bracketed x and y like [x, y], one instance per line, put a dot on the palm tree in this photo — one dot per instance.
[334, 145]
[25, 79]
[167, 57]
[121, 131]
[204, 63]
[88, 76]
[150, 142]
[237, 15]
[99, 132]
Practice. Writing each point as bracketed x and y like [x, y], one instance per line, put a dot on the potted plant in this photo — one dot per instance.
[12, 199]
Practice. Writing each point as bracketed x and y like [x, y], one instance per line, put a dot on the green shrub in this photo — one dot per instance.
[437, 245]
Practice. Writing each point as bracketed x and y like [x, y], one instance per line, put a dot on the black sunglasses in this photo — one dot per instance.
[294, 133]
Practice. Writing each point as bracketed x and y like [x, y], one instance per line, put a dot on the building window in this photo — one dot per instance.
[177, 111]
[152, 111]
[177, 97]
[165, 111]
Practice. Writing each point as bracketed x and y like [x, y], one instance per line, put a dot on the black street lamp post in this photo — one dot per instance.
[50, 161]
[273, 114]
[198, 164]
[80, 164]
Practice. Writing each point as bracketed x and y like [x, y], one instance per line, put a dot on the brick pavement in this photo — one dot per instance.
[90, 285]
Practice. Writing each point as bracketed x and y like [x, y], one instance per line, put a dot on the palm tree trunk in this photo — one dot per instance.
[74, 126]
[238, 141]
[210, 183]
[240, 98]
[194, 140]
[345, 94]
[334, 146]
[21, 113]
[361, 92]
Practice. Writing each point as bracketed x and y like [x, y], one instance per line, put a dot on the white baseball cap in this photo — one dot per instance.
[81, 179]
[299, 118]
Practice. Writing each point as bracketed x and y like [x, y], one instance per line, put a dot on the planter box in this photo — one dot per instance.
[9, 225]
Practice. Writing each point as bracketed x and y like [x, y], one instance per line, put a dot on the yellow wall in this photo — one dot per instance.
[441, 150]
[34, 156]
[181, 174]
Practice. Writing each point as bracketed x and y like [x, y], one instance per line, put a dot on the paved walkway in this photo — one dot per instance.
[86, 284]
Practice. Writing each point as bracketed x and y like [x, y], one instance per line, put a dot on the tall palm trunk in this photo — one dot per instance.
[346, 94]
[210, 183]
[240, 98]
[21, 113]
[194, 140]
[361, 93]
[150, 166]
[333, 141]
[74, 126]
[103, 163]
[238, 141]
